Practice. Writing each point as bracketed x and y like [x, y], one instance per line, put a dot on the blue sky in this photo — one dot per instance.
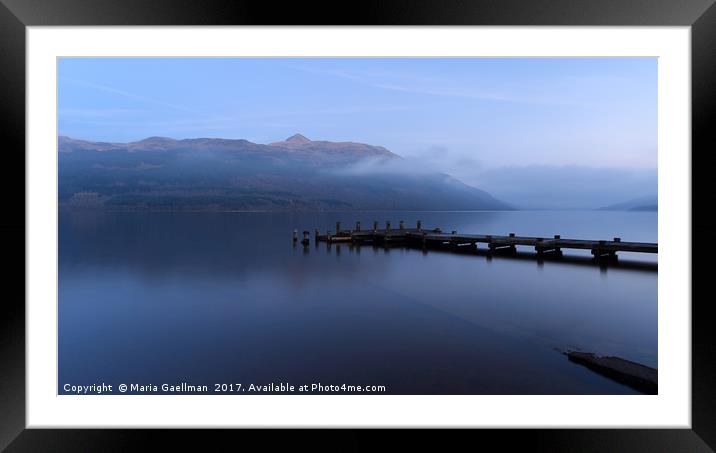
[467, 117]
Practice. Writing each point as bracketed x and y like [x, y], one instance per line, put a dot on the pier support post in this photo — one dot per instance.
[401, 225]
[600, 254]
[550, 249]
[387, 226]
[305, 240]
[420, 225]
[295, 235]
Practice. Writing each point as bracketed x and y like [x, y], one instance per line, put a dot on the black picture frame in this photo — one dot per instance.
[16, 15]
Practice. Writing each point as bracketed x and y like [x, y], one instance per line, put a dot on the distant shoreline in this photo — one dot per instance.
[63, 207]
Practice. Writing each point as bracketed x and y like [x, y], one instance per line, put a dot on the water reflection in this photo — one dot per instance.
[221, 296]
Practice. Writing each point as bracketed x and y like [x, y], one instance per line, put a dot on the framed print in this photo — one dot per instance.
[421, 216]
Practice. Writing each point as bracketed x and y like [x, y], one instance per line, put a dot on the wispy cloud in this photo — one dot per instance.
[137, 97]
[95, 113]
[432, 86]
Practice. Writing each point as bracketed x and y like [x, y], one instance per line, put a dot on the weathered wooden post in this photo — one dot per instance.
[358, 225]
[558, 250]
[295, 235]
[401, 225]
[599, 250]
[420, 225]
[305, 240]
[338, 228]
[375, 226]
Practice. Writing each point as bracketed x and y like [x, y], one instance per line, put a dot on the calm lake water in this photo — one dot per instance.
[212, 298]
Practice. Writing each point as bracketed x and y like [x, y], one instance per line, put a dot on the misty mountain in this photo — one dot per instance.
[219, 174]
[564, 187]
[650, 203]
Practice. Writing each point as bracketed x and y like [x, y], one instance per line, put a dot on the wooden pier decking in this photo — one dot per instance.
[435, 237]
[635, 375]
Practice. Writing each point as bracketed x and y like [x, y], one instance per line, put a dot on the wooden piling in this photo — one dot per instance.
[419, 225]
[358, 225]
[601, 253]
[295, 235]
[401, 225]
[305, 240]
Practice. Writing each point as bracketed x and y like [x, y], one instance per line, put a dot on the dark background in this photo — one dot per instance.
[15, 15]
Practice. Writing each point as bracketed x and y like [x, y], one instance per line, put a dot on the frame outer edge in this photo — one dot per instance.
[12, 226]
[375, 12]
[703, 98]
[12, 81]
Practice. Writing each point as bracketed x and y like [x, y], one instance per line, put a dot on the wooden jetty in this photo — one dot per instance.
[635, 375]
[436, 238]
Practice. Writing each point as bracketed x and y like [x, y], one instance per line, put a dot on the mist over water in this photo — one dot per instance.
[225, 297]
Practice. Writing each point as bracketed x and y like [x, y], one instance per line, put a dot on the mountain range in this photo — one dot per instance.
[160, 173]
[648, 203]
